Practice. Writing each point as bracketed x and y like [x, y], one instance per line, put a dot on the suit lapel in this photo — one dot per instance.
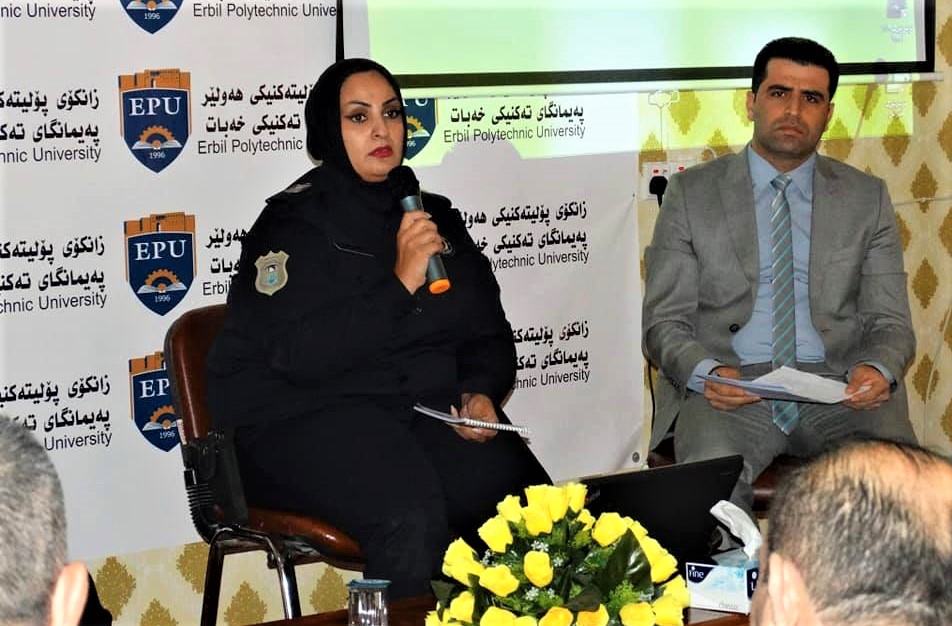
[737, 201]
[825, 220]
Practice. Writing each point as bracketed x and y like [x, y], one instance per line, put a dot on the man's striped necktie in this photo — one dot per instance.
[785, 414]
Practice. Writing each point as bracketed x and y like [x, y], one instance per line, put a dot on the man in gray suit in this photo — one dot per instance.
[712, 274]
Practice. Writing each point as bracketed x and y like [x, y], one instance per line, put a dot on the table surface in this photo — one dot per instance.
[410, 612]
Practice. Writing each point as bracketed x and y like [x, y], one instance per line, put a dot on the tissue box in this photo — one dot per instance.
[725, 585]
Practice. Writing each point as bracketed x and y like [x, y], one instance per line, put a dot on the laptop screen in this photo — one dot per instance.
[673, 502]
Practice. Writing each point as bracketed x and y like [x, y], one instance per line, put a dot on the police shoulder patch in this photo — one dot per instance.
[298, 188]
[272, 272]
[286, 195]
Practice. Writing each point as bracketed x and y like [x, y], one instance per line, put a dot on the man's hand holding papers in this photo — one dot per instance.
[786, 383]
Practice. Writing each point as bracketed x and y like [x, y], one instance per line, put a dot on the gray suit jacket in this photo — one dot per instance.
[702, 274]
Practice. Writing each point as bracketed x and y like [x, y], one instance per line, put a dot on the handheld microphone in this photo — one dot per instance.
[404, 185]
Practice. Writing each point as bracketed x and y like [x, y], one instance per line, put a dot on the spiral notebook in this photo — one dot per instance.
[463, 421]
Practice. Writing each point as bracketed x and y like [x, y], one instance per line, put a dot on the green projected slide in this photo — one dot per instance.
[480, 43]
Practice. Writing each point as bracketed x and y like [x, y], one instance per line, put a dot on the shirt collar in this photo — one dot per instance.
[762, 172]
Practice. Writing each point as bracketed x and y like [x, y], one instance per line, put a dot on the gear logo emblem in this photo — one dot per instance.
[156, 115]
[421, 122]
[151, 15]
[151, 397]
[160, 259]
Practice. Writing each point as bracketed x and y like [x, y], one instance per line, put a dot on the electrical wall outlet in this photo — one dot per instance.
[679, 166]
[659, 168]
[649, 171]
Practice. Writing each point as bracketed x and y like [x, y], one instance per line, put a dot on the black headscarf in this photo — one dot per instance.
[322, 111]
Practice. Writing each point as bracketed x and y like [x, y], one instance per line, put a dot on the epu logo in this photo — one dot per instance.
[150, 15]
[152, 408]
[153, 105]
[421, 122]
[156, 116]
[158, 250]
[153, 388]
[160, 259]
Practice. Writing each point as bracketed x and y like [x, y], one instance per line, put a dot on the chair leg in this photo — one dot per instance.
[289, 589]
[213, 571]
[236, 538]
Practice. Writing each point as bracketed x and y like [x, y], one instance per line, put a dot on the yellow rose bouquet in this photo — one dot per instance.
[551, 563]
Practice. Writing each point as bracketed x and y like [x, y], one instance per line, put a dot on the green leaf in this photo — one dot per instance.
[616, 567]
[587, 600]
[639, 572]
[443, 590]
[482, 601]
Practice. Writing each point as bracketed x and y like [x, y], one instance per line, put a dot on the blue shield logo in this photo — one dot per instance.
[150, 15]
[421, 122]
[156, 115]
[152, 408]
[160, 259]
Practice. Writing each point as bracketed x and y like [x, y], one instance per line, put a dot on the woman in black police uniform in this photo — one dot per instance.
[332, 336]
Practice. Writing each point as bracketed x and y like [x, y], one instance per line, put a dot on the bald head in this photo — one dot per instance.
[869, 527]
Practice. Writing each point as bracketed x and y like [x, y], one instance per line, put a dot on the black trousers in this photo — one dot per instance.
[397, 482]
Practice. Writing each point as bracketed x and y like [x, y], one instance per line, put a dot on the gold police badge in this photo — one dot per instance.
[272, 272]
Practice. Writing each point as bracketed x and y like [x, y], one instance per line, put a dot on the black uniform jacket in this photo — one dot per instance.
[343, 331]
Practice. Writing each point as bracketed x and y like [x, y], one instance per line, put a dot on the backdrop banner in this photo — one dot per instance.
[130, 172]
[556, 216]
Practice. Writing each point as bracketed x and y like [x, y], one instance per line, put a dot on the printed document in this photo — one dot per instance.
[786, 383]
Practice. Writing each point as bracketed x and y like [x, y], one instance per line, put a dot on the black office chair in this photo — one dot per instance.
[212, 481]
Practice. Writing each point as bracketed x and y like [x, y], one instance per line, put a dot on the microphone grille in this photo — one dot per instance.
[403, 182]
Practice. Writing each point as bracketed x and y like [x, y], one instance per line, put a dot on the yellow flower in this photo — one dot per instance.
[433, 619]
[576, 496]
[636, 614]
[536, 495]
[545, 505]
[678, 589]
[495, 532]
[586, 518]
[663, 565]
[537, 519]
[494, 616]
[499, 580]
[557, 616]
[598, 617]
[668, 612]
[458, 550]
[537, 568]
[461, 607]
[608, 528]
[510, 509]
[635, 527]
[557, 499]
[459, 562]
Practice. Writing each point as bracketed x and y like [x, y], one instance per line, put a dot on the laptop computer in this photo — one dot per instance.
[672, 502]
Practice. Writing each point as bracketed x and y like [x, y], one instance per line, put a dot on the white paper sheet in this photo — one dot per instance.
[786, 383]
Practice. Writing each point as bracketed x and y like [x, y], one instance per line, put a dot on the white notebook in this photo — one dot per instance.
[463, 421]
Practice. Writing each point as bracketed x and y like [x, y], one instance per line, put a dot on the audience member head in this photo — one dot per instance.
[860, 536]
[799, 50]
[36, 586]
